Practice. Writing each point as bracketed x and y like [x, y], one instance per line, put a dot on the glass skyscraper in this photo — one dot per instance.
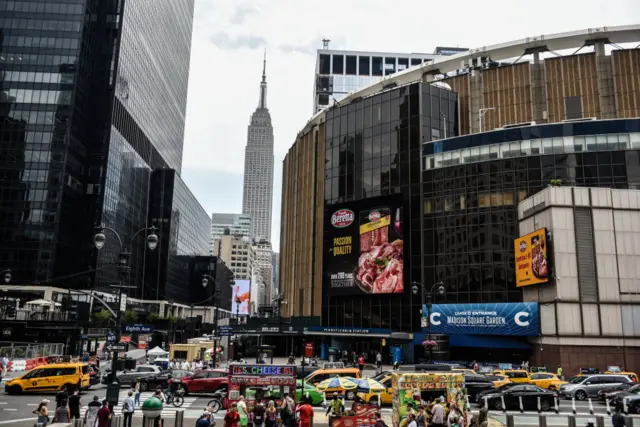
[92, 101]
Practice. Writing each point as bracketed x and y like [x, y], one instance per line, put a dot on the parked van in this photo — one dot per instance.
[51, 378]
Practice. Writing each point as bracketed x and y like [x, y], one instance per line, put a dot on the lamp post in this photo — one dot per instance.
[7, 275]
[124, 270]
[439, 288]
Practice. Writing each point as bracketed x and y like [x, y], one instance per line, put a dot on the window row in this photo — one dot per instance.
[363, 65]
[34, 77]
[559, 145]
[30, 96]
[41, 7]
[42, 42]
[36, 59]
[40, 25]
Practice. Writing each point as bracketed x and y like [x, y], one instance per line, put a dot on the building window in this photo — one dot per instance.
[363, 64]
[403, 64]
[324, 67]
[573, 107]
[376, 66]
[389, 66]
[351, 65]
[338, 64]
[416, 61]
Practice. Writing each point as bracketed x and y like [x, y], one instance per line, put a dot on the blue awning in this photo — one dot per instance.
[487, 341]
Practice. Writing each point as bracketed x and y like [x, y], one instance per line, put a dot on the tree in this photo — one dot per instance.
[101, 318]
[151, 317]
[555, 183]
[129, 317]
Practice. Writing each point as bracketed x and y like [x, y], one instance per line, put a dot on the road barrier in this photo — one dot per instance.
[17, 365]
[584, 420]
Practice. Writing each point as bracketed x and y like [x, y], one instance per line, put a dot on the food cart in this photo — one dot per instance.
[261, 383]
[429, 386]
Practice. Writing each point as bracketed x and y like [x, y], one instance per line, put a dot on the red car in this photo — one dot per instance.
[207, 381]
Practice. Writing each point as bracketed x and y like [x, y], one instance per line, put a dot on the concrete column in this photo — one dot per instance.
[476, 100]
[606, 94]
[538, 90]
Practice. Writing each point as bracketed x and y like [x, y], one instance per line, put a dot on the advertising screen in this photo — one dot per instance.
[532, 262]
[363, 247]
[241, 298]
[521, 318]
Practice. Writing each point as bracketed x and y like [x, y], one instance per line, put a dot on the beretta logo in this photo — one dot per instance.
[523, 246]
[342, 218]
[374, 216]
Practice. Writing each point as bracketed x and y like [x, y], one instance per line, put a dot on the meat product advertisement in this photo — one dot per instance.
[364, 249]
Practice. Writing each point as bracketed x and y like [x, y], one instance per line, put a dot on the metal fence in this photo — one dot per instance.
[23, 350]
[522, 420]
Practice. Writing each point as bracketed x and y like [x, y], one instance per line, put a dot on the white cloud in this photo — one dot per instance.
[230, 35]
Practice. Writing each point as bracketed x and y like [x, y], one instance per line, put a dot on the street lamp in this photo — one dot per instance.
[7, 275]
[436, 289]
[124, 270]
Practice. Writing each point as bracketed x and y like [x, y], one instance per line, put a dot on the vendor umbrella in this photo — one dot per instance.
[337, 383]
[369, 385]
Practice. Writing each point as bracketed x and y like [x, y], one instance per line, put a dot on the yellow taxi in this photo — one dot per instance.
[386, 397]
[546, 380]
[515, 375]
[498, 380]
[51, 378]
[316, 377]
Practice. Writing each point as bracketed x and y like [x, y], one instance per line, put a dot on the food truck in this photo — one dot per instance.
[261, 383]
[408, 388]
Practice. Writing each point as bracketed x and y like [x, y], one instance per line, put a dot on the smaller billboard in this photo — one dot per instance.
[531, 257]
[241, 298]
[516, 319]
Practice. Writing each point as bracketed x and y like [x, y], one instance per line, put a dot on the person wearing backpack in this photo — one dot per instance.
[286, 410]
[128, 407]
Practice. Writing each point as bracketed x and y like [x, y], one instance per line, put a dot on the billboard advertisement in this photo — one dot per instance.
[363, 247]
[521, 319]
[241, 297]
[531, 255]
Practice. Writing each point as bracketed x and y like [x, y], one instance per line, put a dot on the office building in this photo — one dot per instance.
[442, 163]
[340, 72]
[263, 253]
[258, 167]
[89, 110]
[237, 254]
[275, 265]
[236, 224]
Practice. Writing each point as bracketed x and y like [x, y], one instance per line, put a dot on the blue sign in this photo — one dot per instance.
[111, 337]
[225, 331]
[521, 319]
[145, 329]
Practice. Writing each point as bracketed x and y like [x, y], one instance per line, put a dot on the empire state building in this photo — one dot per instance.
[258, 167]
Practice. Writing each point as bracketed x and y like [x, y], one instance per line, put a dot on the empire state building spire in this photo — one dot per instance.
[263, 83]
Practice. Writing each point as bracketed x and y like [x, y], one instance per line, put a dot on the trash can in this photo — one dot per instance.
[333, 353]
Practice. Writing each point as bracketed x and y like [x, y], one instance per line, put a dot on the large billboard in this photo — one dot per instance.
[531, 255]
[241, 297]
[363, 247]
[521, 318]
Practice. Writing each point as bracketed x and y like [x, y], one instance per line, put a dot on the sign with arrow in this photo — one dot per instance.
[117, 347]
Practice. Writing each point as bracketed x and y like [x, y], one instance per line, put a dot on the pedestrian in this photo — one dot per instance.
[335, 409]
[306, 413]
[361, 363]
[136, 390]
[287, 410]
[421, 417]
[104, 414]
[454, 413]
[379, 361]
[437, 419]
[62, 395]
[203, 421]
[75, 404]
[232, 418]
[476, 367]
[617, 420]
[43, 413]
[243, 412]
[559, 373]
[5, 365]
[379, 421]
[481, 418]
[258, 414]
[272, 414]
[128, 407]
[159, 394]
[63, 415]
[92, 412]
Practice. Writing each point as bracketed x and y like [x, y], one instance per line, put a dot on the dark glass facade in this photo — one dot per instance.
[92, 101]
[374, 148]
[461, 193]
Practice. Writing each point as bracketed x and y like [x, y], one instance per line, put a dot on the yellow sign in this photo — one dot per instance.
[532, 263]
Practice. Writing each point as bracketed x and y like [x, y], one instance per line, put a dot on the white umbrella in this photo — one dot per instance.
[157, 351]
[43, 303]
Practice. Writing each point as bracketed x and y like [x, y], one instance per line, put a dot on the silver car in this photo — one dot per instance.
[583, 386]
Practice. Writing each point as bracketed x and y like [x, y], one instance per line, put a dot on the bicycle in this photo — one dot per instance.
[216, 403]
[176, 399]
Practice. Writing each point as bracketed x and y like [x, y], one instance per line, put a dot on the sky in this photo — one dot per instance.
[230, 36]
